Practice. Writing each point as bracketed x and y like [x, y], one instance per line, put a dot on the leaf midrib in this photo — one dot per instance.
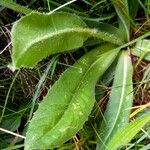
[125, 72]
[91, 32]
[75, 91]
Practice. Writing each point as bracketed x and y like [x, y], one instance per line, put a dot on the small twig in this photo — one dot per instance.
[5, 48]
[145, 133]
[75, 139]
[140, 108]
[15, 134]
[68, 3]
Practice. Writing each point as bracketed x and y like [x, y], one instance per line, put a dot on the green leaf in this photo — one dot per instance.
[133, 7]
[14, 6]
[142, 49]
[141, 136]
[112, 30]
[124, 135]
[37, 35]
[107, 29]
[122, 10]
[69, 102]
[117, 111]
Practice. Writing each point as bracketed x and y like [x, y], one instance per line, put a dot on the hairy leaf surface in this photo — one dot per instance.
[117, 111]
[37, 35]
[67, 105]
[124, 135]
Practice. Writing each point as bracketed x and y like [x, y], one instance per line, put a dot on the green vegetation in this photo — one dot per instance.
[75, 74]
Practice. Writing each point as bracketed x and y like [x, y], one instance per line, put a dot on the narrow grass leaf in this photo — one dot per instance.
[124, 135]
[14, 6]
[69, 102]
[37, 36]
[133, 8]
[138, 141]
[147, 147]
[117, 112]
[122, 10]
[142, 49]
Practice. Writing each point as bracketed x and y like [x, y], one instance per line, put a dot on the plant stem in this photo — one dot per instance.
[14, 6]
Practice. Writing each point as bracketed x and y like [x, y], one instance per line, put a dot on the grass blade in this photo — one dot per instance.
[124, 135]
[122, 10]
[142, 50]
